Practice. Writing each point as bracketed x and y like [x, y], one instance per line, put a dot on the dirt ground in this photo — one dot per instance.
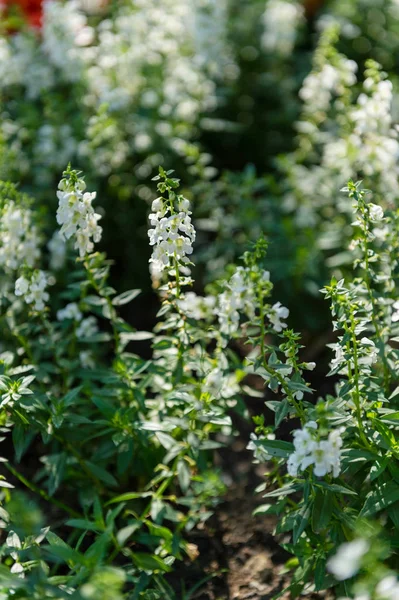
[236, 549]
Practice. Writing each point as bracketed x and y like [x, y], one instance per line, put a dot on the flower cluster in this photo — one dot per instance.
[240, 296]
[347, 561]
[197, 307]
[172, 234]
[324, 455]
[33, 289]
[76, 215]
[281, 21]
[19, 237]
[70, 312]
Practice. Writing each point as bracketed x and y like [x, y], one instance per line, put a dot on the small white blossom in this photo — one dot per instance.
[324, 455]
[76, 215]
[388, 588]
[347, 561]
[87, 328]
[71, 311]
[221, 385]
[281, 21]
[196, 307]
[33, 289]
[172, 234]
[87, 359]
[19, 238]
[376, 212]
[259, 451]
[277, 313]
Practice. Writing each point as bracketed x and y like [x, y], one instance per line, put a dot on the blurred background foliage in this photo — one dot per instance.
[211, 89]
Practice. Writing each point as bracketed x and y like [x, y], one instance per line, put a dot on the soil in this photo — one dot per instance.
[238, 551]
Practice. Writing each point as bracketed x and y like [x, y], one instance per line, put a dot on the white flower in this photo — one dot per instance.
[259, 451]
[71, 311]
[324, 455]
[196, 307]
[33, 289]
[376, 212]
[221, 385]
[87, 328]
[281, 21]
[76, 215]
[87, 359]
[19, 238]
[277, 313]
[21, 286]
[347, 560]
[395, 312]
[388, 588]
[172, 234]
[370, 352]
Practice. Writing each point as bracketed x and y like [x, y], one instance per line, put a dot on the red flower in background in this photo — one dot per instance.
[32, 9]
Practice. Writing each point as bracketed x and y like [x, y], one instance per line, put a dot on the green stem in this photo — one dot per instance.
[271, 371]
[42, 493]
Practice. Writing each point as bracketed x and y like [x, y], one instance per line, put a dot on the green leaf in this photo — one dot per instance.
[183, 475]
[83, 524]
[125, 297]
[301, 521]
[150, 562]
[101, 474]
[129, 496]
[278, 448]
[380, 498]
[285, 490]
[322, 510]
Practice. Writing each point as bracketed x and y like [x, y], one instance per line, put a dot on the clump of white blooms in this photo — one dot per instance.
[196, 307]
[87, 328]
[347, 561]
[259, 451]
[281, 22]
[76, 215]
[172, 234]
[220, 384]
[240, 296]
[323, 454]
[320, 86]
[19, 237]
[33, 289]
[71, 312]
[388, 588]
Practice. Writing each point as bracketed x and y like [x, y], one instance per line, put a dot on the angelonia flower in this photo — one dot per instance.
[19, 238]
[196, 307]
[172, 234]
[33, 289]
[324, 455]
[395, 311]
[277, 313]
[76, 215]
[281, 21]
[347, 561]
[71, 311]
[221, 385]
[87, 328]
[255, 445]
[86, 359]
[321, 85]
[388, 588]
